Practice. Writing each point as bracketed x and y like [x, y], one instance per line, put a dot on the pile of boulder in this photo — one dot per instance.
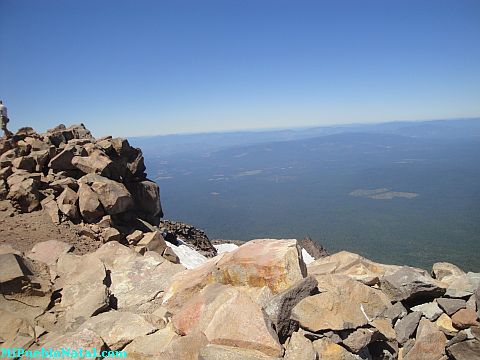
[99, 185]
[257, 302]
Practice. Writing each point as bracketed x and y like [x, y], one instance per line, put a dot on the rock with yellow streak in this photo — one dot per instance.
[276, 264]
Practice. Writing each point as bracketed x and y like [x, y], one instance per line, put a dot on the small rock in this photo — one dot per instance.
[111, 234]
[153, 241]
[464, 318]
[358, 339]
[405, 327]
[134, 237]
[327, 350]
[299, 347]
[444, 322]
[49, 251]
[451, 306]
[395, 312]
[430, 310]
[170, 255]
[466, 350]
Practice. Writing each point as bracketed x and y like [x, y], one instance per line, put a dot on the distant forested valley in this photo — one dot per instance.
[401, 192]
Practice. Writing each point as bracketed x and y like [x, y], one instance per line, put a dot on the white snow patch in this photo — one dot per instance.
[307, 258]
[224, 248]
[189, 257]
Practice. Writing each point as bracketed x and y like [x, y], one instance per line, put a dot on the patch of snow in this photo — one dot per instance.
[223, 248]
[307, 258]
[189, 257]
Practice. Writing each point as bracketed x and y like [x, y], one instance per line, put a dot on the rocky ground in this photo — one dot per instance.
[86, 262]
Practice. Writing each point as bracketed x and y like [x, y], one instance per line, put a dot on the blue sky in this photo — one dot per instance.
[155, 67]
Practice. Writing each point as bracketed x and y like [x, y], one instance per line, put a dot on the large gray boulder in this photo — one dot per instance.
[146, 195]
[408, 284]
[279, 307]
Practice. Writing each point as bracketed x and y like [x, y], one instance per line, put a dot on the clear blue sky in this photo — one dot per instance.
[155, 67]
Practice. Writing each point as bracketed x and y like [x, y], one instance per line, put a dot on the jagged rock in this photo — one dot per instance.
[146, 195]
[429, 343]
[279, 307]
[384, 327]
[49, 204]
[189, 234]
[184, 347]
[7, 249]
[105, 222]
[170, 255]
[444, 323]
[25, 163]
[153, 241]
[12, 329]
[328, 350]
[90, 207]
[406, 326]
[63, 161]
[430, 310]
[358, 339]
[95, 163]
[313, 248]
[114, 196]
[464, 318]
[7, 157]
[446, 272]
[395, 312]
[49, 251]
[249, 265]
[25, 195]
[463, 285]
[84, 339]
[60, 134]
[134, 237]
[299, 347]
[466, 350]
[150, 346]
[84, 292]
[342, 304]
[5, 172]
[12, 269]
[230, 327]
[406, 284]
[111, 234]
[67, 203]
[118, 328]
[451, 306]
[352, 265]
[59, 185]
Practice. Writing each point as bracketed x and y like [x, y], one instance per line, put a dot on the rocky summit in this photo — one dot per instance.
[159, 289]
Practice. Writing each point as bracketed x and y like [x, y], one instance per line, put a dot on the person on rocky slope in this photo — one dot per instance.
[4, 120]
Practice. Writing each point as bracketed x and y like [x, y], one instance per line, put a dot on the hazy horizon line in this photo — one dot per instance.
[302, 127]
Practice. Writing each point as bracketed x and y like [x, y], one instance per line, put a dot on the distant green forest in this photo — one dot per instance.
[301, 186]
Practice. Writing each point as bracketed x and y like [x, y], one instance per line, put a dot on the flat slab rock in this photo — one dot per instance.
[408, 284]
[118, 328]
[465, 350]
[342, 304]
